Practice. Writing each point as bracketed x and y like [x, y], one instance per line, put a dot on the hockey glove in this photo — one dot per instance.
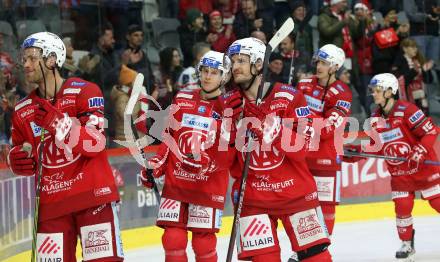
[157, 163]
[52, 120]
[20, 161]
[234, 101]
[417, 156]
[147, 178]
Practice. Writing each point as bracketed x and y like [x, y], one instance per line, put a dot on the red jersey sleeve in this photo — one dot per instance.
[89, 127]
[339, 107]
[421, 126]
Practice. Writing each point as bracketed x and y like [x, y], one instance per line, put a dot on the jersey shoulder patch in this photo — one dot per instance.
[22, 103]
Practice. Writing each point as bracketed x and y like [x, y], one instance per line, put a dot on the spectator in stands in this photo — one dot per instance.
[191, 32]
[275, 68]
[102, 66]
[189, 80]
[413, 70]
[205, 6]
[134, 57]
[259, 35]
[303, 31]
[364, 55]
[224, 35]
[247, 20]
[120, 95]
[383, 58]
[424, 25]
[293, 60]
[69, 68]
[228, 9]
[169, 70]
[336, 25]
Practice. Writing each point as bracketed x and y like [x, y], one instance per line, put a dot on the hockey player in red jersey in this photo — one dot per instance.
[329, 101]
[279, 185]
[77, 190]
[403, 130]
[194, 165]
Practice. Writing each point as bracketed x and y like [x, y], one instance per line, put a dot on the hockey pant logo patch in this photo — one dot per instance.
[169, 210]
[50, 247]
[431, 192]
[255, 233]
[308, 227]
[399, 194]
[202, 217]
[97, 241]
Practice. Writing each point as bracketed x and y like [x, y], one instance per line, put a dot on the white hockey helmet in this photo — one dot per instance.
[49, 43]
[250, 46]
[385, 81]
[330, 54]
[216, 60]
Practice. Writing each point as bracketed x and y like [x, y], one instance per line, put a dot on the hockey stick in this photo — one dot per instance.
[282, 33]
[395, 158]
[37, 196]
[135, 92]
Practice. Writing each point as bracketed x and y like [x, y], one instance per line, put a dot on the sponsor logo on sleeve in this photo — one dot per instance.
[22, 104]
[183, 95]
[96, 102]
[196, 122]
[416, 116]
[288, 88]
[26, 113]
[72, 91]
[183, 103]
[302, 111]
[343, 104]
[284, 94]
[75, 83]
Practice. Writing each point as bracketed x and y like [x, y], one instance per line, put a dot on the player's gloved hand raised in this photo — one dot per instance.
[417, 156]
[52, 120]
[20, 160]
[252, 110]
[232, 100]
[147, 178]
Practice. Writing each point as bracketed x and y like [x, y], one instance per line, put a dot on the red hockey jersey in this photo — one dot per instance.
[74, 177]
[279, 181]
[405, 126]
[332, 108]
[194, 123]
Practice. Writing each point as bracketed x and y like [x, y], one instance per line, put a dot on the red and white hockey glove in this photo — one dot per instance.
[20, 161]
[417, 156]
[234, 101]
[147, 178]
[269, 132]
[52, 120]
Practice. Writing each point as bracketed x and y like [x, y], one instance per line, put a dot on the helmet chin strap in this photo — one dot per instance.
[382, 108]
[252, 80]
[326, 87]
[44, 79]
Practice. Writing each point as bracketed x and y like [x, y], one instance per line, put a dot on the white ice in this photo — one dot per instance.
[370, 241]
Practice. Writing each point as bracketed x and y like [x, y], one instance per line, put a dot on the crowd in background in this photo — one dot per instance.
[108, 42]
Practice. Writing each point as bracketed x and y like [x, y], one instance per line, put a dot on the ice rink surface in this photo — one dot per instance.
[352, 242]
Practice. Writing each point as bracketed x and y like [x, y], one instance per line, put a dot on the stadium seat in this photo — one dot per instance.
[165, 32]
[27, 27]
[62, 27]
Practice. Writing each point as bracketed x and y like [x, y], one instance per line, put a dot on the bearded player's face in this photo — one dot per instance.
[241, 68]
[30, 60]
